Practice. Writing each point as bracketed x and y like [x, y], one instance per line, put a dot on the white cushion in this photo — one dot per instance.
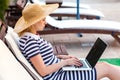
[10, 68]
[84, 24]
[72, 4]
[66, 4]
[88, 12]
[13, 34]
[16, 51]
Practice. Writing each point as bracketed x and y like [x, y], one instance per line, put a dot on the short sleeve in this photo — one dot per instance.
[31, 48]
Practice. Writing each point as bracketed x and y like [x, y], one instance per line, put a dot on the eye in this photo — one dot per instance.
[44, 19]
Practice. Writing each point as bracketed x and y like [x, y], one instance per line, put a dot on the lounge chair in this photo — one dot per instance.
[72, 12]
[74, 5]
[11, 40]
[63, 4]
[69, 9]
[14, 12]
[59, 49]
[21, 3]
[31, 75]
[10, 67]
[82, 26]
[13, 66]
[17, 53]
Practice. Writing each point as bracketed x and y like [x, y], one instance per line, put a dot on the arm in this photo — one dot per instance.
[43, 70]
[64, 56]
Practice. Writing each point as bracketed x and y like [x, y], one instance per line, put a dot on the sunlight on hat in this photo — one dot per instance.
[33, 13]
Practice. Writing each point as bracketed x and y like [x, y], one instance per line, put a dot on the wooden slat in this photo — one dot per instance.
[60, 49]
[115, 34]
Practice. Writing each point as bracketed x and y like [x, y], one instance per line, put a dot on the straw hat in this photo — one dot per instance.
[33, 13]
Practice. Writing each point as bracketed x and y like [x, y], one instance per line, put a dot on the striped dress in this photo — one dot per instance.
[32, 45]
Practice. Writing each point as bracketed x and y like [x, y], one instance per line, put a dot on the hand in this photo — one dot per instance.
[73, 61]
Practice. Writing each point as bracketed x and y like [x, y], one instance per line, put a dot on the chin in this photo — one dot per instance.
[41, 29]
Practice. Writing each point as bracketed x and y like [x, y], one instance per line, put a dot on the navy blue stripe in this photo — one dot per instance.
[73, 73]
[58, 75]
[46, 53]
[21, 46]
[48, 77]
[46, 56]
[44, 46]
[77, 75]
[70, 75]
[81, 75]
[88, 74]
[64, 76]
[52, 60]
[46, 50]
[21, 41]
[30, 48]
[33, 55]
[95, 74]
[33, 46]
[84, 75]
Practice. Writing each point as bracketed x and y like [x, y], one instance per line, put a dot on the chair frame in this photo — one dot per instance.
[3, 30]
[56, 30]
[114, 34]
[14, 12]
[85, 15]
[72, 12]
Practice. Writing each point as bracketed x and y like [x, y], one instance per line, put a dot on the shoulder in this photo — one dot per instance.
[28, 40]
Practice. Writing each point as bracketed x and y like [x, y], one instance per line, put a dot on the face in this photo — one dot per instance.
[39, 26]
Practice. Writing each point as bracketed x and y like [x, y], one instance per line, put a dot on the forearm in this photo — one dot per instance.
[64, 56]
[52, 68]
[59, 56]
[44, 70]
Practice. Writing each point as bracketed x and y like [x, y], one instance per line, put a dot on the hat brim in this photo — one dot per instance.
[21, 24]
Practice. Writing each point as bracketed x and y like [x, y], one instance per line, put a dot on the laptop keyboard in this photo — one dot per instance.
[83, 66]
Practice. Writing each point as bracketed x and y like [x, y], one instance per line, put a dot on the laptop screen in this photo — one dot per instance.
[96, 52]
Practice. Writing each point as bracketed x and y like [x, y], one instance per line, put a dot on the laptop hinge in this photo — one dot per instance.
[88, 63]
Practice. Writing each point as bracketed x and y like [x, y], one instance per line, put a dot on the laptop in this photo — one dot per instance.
[92, 58]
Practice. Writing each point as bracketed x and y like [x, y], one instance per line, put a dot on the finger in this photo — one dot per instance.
[78, 63]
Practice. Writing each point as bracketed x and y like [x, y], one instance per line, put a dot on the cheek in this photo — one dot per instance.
[40, 27]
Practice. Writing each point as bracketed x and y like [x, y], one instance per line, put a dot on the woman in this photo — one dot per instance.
[40, 55]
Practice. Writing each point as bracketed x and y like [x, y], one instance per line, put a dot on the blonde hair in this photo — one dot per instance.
[29, 29]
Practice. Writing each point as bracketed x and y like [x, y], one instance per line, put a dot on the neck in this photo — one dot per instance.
[33, 30]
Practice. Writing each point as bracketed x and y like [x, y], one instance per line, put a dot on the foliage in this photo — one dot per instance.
[3, 7]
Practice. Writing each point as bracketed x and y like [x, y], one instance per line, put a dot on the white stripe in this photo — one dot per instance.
[90, 74]
[94, 74]
[32, 50]
[61, 76]
[82, 75]
[68, 78]
[85, 75]
[44, 49]
[75, 75]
